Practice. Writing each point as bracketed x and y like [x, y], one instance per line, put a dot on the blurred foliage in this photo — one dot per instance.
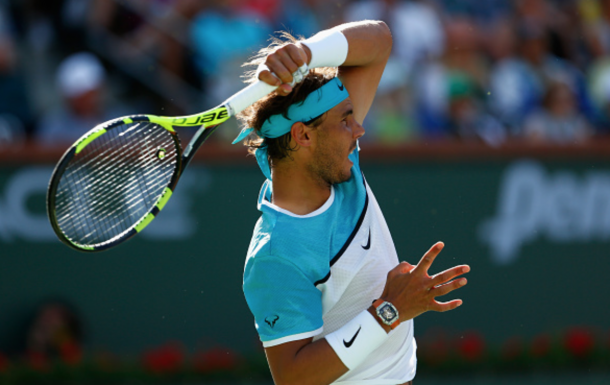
[578, 349]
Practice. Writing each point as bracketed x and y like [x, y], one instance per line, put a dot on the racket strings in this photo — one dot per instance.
[108, 179]
[114, 182]
[130, 190]
[104, 194]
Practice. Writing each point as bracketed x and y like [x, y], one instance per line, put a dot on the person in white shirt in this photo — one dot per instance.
[331, 301]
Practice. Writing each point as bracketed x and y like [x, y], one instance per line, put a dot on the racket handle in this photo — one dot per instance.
[256, 91]
[247, 97]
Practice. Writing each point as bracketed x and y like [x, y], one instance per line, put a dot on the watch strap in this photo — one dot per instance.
[377, 303]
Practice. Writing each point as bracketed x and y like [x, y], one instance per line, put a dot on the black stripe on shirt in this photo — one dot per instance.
[349, 239]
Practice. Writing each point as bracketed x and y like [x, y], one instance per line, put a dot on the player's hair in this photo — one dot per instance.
[274, 104]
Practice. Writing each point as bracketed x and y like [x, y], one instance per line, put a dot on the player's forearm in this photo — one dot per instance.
[362, 51]
[324, 361]
[314, 363]
[369, 42]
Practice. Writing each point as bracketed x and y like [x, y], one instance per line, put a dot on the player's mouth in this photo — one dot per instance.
[353, 147]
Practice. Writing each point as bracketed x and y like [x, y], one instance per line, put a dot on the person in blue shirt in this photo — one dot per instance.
[330, 299]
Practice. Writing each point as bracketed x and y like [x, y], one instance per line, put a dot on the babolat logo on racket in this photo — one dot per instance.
[198, 120]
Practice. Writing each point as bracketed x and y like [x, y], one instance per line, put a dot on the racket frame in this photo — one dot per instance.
[207, 122]
[77, 147]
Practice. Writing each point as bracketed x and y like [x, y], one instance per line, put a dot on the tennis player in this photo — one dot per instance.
[331, 302]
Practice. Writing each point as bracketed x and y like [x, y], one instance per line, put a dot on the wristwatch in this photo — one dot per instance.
[387, 313]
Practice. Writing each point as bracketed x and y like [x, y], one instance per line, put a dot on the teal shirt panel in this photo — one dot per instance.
[289, 254]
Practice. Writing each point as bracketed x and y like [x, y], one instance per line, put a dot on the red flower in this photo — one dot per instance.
[215, 359]
[579, 342]
[541, 345]
[471, 346]
[167, 358]
[4, 362]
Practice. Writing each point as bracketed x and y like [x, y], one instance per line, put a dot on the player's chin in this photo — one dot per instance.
[347, 173]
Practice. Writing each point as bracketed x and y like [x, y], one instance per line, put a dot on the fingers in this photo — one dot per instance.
[441, 290]
[448, 287]
[449, 274]
[445, 306]
[426, 261]
[282, 66]
[286, 67]
[269, 78]
[286, 61]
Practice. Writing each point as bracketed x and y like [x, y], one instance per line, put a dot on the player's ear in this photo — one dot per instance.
[301, 134]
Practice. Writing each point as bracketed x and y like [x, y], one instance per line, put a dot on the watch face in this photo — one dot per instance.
[387, 312]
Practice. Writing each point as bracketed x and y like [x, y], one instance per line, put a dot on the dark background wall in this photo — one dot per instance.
[536, 233]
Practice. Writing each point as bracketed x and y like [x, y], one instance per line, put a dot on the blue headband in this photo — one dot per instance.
[316, 103]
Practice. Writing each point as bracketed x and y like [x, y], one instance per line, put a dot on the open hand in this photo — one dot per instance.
[413, 291]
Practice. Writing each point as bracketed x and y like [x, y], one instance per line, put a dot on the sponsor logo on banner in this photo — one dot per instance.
[19, 221]
[561, 206]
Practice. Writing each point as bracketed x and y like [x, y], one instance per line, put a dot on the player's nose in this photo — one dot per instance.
[357, 130]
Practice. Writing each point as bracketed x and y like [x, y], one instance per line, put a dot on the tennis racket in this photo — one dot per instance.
[113, 181]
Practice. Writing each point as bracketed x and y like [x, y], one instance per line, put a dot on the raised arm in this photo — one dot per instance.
[370, 44]
[369, 47]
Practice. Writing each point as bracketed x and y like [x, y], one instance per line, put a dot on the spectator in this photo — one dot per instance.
[462, 58]
[599, 84]
[55, 332]
[391, 119]
[484, 13]
[151, 39]
[467, 118]
[15, 109]
[303, 17]
[416, 28]
[224, 35]
[518, 83]
[596, 17]
[558, 121]
[80, 79]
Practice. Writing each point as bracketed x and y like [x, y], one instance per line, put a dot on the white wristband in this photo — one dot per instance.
[328, 49]
[354, 341]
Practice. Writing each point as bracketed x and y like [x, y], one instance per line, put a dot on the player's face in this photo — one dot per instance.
[336, 138]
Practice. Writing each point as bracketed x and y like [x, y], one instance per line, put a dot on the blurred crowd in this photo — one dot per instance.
[468, 70]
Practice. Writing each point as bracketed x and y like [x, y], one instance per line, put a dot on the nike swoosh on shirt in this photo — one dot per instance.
[350, 342]
[368, 242]
[341, 86]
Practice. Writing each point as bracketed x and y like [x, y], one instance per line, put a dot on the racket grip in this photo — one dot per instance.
[247, 97]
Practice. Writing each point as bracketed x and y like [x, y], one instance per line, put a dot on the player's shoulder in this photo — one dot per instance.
[285, 247]
[271, 258]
